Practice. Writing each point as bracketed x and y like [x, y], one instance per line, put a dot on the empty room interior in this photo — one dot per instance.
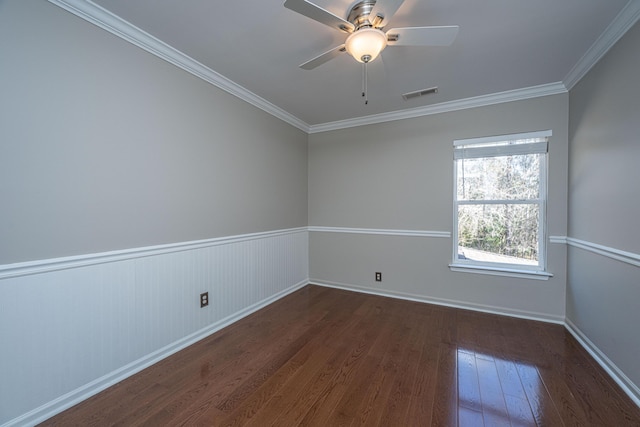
[227, 213]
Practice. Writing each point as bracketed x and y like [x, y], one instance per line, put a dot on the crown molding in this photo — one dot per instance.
[627, 17]
[444, 107]
[106, 20]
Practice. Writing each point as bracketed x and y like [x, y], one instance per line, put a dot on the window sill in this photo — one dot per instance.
[499, 271]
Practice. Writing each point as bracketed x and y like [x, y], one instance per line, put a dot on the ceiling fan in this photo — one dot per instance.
[364, 24]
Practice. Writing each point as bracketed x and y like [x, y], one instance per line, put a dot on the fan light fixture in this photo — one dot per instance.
[366, 44]
[364, 22]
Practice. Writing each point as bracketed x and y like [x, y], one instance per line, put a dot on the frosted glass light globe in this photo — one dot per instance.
[366, 44]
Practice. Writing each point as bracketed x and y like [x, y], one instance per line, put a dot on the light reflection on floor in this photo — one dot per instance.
[497, 392]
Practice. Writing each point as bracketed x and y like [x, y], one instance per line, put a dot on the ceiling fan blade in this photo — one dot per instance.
[422, 36]
[385, 9]
[319, 14]
[321, 59]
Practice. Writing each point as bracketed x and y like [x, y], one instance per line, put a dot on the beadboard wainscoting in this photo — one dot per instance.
[71, 327]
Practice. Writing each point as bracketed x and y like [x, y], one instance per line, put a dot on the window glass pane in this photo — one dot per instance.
[499, 178]
[499, 233]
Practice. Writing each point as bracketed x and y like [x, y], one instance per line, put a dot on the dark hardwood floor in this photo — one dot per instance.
[328, 357]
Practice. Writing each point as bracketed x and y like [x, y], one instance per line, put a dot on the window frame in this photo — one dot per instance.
[538, 271]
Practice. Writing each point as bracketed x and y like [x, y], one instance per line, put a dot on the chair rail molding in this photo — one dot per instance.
[382, 231]
[606, 251]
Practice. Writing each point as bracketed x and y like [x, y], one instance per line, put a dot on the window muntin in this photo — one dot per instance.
[500, 201]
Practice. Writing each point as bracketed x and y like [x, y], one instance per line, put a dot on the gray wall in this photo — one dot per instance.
[604, 204]
[105, 147]
[399, 175]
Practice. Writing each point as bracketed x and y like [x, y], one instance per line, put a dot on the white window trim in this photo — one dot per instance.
[502, 138]
[501, 270]
[539, 271]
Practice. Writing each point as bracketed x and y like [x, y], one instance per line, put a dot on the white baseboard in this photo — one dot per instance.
[80, 394]
[632, 390]
[530, 315]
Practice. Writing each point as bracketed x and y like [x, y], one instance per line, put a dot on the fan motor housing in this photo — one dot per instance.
[359, 15]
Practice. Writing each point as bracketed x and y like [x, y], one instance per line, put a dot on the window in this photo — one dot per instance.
[500, 204]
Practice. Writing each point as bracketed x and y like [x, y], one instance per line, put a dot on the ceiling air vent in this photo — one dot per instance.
[410, 95]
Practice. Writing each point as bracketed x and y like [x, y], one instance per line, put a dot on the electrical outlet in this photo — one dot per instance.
[378, 276]
[204, 299]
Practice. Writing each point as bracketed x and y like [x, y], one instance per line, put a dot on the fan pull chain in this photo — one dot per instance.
[364, 83]
[364, 88]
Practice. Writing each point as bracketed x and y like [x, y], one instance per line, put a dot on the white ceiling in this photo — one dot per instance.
[502, 45]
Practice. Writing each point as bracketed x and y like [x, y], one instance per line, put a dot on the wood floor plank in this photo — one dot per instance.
[509, 379]
[552, 342]
[347, 373]
[401, 366]
[470, 417]
[494, 407]
[514, 394]
[542, 404]
[305, 389]
[468, 385]
[348, 409]
[276, 395]
[369, 387]
[330, 357]
[267, 400]
[424, 385]
[229, 382]
[389, 347]
[582, 377]
[445, 404]
[520, 414]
